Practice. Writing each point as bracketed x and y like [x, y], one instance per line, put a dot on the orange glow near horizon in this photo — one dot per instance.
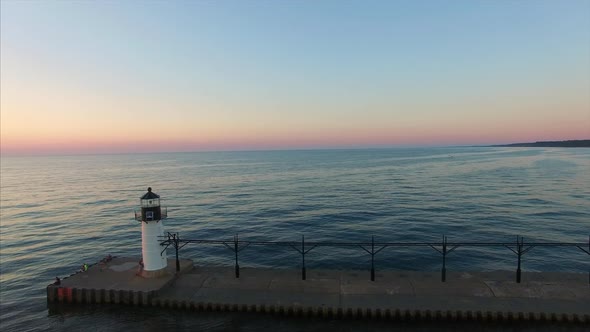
[25, 130]
[291, 140]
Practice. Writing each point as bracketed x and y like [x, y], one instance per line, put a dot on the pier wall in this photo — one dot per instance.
[398, 296]
[150, 299]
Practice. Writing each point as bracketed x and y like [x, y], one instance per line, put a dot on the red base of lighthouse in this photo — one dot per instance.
[154, 274]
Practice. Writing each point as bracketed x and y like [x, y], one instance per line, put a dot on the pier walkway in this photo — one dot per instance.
[338, 294]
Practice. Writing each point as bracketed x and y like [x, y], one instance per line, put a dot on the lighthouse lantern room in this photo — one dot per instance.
[152, 232]
[150, 206]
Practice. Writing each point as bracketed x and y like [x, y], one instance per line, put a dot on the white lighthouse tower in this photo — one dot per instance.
[152, 232]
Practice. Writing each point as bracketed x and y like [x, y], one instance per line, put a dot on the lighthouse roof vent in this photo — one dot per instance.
[150, 194]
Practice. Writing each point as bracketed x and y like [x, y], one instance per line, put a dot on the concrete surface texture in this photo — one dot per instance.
[558, 293]
[122, 274]
[334, 293]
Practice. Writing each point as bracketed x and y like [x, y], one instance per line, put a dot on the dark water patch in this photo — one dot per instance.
[437, 209]
[347, 217]
[31, 215]
[537, 201]
[563, 214]
[21, 206]
[239, 195]
[579, 195]
[105, 202]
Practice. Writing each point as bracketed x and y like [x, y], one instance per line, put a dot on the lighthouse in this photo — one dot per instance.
[152, 233]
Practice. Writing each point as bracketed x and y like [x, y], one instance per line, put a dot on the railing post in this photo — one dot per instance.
[373, 258]
[236, 253]
[303, 274]
[519, 254]
[443, 275]
[176, 242]
[588, 251]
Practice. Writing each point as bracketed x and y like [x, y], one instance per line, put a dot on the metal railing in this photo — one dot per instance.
[163, 214]
[444, 248]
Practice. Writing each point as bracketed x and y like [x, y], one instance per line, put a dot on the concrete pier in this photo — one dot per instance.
[338, 294]
[118, 281]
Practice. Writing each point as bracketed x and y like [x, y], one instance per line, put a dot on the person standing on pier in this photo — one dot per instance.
[140, 267]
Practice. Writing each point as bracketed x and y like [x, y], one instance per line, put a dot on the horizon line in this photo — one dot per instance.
[368, 147]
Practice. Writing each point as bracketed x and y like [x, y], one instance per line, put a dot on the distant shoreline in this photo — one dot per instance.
[584, 143]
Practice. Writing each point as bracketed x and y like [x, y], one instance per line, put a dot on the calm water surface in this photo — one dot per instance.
[58, 212]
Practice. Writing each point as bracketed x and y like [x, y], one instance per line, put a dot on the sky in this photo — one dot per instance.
[150, 76]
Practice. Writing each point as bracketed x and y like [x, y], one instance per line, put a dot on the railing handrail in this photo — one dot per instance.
[340, 244]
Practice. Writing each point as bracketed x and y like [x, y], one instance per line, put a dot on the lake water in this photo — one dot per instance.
[58, 212]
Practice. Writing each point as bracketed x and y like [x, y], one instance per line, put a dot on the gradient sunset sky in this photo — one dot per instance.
[147, 76]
